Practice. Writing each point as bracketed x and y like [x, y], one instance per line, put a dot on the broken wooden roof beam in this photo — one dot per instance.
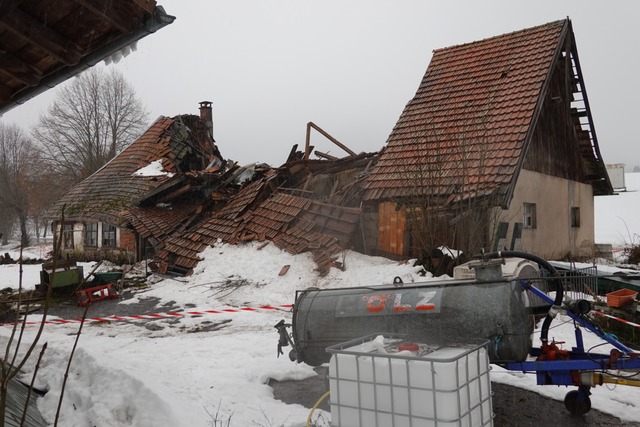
[325, 156]
[307, 150]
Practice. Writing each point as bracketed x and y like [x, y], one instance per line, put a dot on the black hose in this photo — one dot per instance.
[544, 332]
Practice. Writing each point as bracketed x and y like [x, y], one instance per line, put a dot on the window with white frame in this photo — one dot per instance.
[529, 215]
[91, 234]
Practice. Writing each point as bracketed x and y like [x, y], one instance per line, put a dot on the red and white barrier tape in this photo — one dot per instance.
[155, 316]
[617, 318]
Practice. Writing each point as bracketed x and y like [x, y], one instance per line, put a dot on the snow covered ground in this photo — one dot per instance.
[616, 217]
[206, 370]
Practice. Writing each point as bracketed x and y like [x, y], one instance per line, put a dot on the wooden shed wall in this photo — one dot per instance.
[554, 149]
[391, 228]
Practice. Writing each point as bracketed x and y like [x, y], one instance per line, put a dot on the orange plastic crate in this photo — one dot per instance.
[621, 297]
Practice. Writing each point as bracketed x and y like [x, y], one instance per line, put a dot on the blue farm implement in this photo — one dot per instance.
[497, 297]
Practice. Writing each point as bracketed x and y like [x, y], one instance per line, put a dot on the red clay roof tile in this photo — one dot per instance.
[293, 223]
[113, 189]
[478, 98]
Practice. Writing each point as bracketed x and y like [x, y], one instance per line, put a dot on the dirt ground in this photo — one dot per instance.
[512, 406]
[68, 308]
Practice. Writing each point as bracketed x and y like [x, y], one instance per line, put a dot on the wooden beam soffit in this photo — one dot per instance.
[122, 22]
[18, 69]
[38, 34]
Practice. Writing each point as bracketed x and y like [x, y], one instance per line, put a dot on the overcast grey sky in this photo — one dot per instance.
[350, 66]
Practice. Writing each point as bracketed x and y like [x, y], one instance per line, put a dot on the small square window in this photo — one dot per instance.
[529, 215]
[575, 217]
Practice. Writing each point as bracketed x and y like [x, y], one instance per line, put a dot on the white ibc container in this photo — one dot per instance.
[373, 384]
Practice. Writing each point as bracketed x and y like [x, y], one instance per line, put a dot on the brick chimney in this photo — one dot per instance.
[206, 115]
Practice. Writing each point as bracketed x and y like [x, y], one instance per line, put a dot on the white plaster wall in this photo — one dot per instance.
[553, 237]
[78, 236]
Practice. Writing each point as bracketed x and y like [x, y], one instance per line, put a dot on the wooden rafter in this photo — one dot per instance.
[44, 42]
[325, 156]
[33, 31]
[122, 22]
[8, 6]
[307, 150]
[18, 69]
[146, 5]
[5, 92]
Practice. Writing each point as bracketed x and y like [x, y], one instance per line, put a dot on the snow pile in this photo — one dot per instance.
[214, 368]
[101, 394]
[195, 369]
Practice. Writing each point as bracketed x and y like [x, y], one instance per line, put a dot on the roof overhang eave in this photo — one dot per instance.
[154, 22]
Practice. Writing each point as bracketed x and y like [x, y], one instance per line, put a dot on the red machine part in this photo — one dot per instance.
[553, 352]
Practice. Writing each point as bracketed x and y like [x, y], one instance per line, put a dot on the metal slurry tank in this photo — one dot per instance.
[432, 311]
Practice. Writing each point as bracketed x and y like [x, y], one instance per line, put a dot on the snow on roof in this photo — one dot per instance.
[154, 168]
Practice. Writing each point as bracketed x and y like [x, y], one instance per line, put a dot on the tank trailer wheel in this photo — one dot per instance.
[577, 402]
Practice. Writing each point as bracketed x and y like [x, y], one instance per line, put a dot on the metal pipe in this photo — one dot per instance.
[544, 332]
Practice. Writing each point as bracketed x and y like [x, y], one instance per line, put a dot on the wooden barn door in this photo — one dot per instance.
[391, 227]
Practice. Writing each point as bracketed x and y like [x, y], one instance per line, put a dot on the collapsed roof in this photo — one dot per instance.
[293, 223]
[175, 190]
[174, 145]
[278, 205]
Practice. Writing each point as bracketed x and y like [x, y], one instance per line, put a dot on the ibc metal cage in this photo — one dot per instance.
[382, 380]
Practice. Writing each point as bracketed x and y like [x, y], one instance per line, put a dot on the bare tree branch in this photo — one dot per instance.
[90, 122]
[19, 162]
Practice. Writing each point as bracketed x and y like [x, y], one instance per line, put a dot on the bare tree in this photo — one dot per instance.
[450, 203]
[19, 159]
[7, 220]
[41, 196]
[92, 119]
